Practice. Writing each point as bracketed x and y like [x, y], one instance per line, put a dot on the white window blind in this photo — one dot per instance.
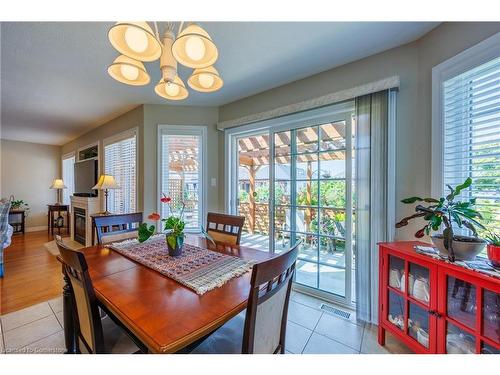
[471, 124]
[120, 162]
[68, 176]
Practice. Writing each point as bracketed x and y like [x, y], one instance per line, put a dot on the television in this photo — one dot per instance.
[85, 178]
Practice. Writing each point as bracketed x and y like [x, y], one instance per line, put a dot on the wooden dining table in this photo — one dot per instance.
[162, 313]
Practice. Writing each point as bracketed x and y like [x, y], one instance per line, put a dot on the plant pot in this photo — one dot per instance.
[494, 254]
[464, 248]
[176, 250]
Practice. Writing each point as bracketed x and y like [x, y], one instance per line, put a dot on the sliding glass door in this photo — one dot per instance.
[253, 189]
[297, 181]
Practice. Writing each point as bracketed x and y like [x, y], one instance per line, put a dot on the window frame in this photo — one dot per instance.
[192, 130]
[472, 57]
[129, 133]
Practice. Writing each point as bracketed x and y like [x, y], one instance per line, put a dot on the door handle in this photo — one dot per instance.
[436, 314]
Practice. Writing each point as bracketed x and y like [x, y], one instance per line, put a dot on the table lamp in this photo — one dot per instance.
[58, 184]
[105, 183]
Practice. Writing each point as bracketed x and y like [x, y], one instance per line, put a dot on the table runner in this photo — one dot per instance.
[199, 269]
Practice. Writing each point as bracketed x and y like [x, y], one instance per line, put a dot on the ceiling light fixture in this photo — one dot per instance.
[129, 71]
[205, 80]
[172, 90]
[135, 40]
[193, 47]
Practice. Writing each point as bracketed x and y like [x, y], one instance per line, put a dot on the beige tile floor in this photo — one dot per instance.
[39, 329]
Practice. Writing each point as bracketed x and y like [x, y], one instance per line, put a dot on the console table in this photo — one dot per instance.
[51, 221]
[434, 306]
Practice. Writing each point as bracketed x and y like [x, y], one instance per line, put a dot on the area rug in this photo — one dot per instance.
[52, 246]
[198, 269]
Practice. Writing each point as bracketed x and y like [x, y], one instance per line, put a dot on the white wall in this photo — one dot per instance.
[27, 171]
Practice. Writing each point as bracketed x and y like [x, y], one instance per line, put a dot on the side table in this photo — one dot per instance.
[16, 214]
[52, 222]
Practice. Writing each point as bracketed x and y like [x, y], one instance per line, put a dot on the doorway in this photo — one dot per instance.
[294, 180]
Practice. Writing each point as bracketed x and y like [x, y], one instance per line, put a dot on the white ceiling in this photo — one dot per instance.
[54, 83]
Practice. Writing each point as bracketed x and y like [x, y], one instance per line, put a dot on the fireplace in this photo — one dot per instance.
[79, 225]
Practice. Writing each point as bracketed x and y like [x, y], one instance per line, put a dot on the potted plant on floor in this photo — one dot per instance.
[446, 211]
[173, 226]
[493, 248]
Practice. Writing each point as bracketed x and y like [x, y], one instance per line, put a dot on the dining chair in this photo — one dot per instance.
[225, 228]
[119, 227]
[94, 335]
[262, 328]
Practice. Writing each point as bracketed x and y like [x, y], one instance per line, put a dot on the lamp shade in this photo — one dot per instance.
[135, 40]
[106, 181]
[194, 48]
[129, 71]
[58, 183]
[173, 90]
[205, 80]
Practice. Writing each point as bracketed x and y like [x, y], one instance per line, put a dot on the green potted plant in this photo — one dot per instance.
[18, 204]
[446, 211]
[493, 248]
[173, 226]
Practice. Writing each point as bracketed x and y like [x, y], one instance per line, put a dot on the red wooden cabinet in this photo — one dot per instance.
[436, 307]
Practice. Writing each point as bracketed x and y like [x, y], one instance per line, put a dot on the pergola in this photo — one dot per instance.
[254, 154]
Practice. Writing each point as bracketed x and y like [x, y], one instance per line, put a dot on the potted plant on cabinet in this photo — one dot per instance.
[446, 211]
[493, 248]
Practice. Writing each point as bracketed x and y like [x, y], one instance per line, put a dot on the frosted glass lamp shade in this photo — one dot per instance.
[205, 80]
[135, 40]
[58, 183]
[194, 48]
[175, 90]
[105, 182]
[129, 71]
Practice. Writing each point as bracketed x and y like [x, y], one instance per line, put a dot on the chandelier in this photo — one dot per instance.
[137, 43]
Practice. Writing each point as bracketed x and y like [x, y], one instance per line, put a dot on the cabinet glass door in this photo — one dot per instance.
[419, 283]
[491, 315]
[396, 310]
[418, 324]
[488, 349]
[396, 273]
[461, 302]
[459, 341]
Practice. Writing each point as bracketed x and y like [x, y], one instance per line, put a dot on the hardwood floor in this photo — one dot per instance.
[32, 275]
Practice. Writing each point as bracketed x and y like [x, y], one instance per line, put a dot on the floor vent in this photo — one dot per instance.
[335, 311]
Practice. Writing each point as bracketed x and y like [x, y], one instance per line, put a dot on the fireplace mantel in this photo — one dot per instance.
[91, 206]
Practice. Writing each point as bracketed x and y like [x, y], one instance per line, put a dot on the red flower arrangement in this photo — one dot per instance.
[165, 199]
[154, 216]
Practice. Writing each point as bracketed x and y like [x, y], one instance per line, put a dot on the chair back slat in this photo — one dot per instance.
[225, 228]
[88, 324]
[267, 310]
[112, 228]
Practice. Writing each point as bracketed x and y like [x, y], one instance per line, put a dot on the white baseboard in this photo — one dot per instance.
[36, 229]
